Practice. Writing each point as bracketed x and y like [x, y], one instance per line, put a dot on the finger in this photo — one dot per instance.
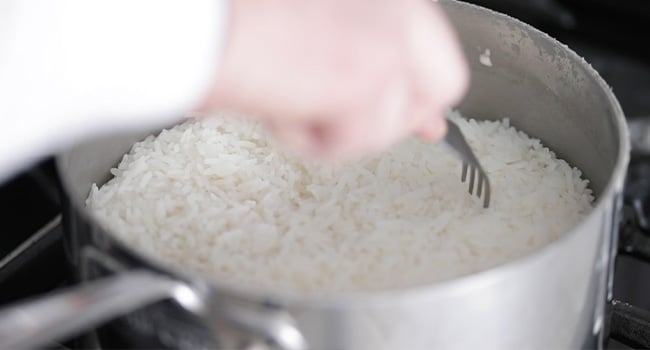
[433, 128]
[378, 124]
[429, 118]
[440, 68]
[292, 136]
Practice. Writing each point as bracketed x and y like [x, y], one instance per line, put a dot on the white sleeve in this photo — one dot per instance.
[71, 69]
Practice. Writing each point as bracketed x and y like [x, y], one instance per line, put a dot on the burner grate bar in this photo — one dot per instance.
[630, 324]
[35, 244]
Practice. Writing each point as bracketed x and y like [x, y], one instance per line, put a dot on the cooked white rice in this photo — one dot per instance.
[216, 197]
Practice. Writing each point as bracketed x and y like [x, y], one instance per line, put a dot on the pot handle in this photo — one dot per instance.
[64, 313]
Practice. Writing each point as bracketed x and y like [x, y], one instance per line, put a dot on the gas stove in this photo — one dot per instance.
[606, 33]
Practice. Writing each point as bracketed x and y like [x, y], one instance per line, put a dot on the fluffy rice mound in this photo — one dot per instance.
[217, 197]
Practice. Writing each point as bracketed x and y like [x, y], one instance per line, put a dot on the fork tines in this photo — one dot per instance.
[483, 182]
[457, 142]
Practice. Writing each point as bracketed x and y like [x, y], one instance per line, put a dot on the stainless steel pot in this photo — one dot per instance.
[553, 298]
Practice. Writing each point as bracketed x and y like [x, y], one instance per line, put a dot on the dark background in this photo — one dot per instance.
[609, 34]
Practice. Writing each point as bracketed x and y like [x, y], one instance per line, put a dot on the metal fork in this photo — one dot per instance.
[457, 141]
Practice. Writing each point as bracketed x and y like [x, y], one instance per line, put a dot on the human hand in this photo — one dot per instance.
[339, 79]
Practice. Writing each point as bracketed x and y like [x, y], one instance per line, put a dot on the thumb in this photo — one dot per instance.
[433, 128]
